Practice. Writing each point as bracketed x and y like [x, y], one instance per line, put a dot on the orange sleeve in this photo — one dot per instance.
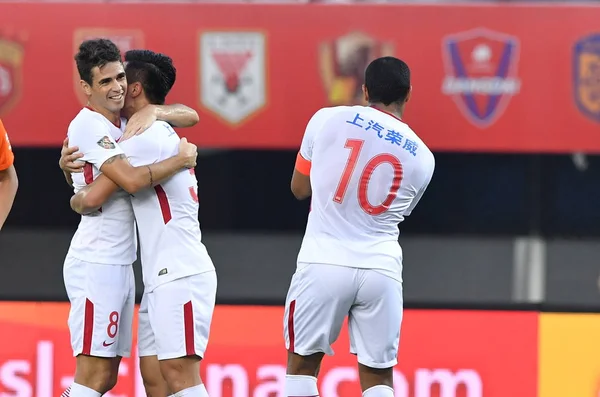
[6, 155]
[302, 165]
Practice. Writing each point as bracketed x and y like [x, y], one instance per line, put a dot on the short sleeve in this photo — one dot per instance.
[6, 155]
[142, 149]
[94, 140]
[312, 128]
[425, 174]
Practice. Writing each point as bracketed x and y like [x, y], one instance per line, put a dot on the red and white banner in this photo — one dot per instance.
[507, 78]
[442, 354]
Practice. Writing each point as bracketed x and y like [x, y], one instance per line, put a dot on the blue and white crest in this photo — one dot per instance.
[586, 76]
[481, 73]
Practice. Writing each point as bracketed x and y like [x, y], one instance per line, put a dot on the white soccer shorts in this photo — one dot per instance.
[321, 296]
[102, 305]
[175, 318]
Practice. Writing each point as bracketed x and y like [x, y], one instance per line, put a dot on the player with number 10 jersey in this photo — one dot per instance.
[366, 171]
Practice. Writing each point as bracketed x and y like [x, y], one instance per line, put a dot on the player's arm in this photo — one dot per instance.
[68, 161]
[176, 115]
[300, 184]
[93, 196]
[101, 150]
[141, 150]
[424, 175]
[133, 179]
[118, 172]
[9, 182]
[301, 178]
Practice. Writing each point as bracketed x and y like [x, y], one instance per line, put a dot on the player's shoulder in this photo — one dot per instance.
[158, 133]
[87, 119]
[330, 114]
[332, 111]
[161, 130]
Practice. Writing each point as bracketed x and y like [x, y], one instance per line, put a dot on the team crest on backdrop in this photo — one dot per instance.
[342, 64]
[586, 76]
[481, 68]
[125, 39]
[11, 63]
[233, 74]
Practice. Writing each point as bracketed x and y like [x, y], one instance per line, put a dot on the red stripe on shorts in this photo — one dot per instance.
[291, 325]
[188, 325]
[88, 327]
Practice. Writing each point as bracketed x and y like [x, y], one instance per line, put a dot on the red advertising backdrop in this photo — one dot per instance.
[442, 354]
[510, 78]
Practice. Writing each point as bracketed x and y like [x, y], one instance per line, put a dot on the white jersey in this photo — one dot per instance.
[106, 236]
[368, 171]
[166, 214]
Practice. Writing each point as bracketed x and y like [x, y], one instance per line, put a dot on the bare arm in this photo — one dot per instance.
[301, 185]
[176, 115]
[93, 196]
[8, 190]
[133, 179]
[68, 178]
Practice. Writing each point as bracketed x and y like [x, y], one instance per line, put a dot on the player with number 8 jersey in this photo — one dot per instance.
[366, 171]
[180, 281]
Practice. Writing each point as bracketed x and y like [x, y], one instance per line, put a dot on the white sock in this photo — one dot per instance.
[301, 386]
[379, 391]
[78, 390]
[194, 391]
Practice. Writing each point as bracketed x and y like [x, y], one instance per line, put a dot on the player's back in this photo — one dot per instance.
[167, 214]
[368, 172]
[106, 236]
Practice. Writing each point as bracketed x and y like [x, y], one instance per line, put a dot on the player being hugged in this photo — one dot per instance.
[98, 272]
[180, 281]
[366, 171]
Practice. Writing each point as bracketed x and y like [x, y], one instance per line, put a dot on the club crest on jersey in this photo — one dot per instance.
[233, 74]
[11, 59]
[125, 39]
[106, 143]
[586, 76]
[481, 73]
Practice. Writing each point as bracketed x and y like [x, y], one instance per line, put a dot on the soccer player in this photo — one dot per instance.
[97, 271]
[8, 176]
[179, 277]
[366, 171]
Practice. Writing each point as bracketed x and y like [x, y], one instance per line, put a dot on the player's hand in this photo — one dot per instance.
[189, 152]
[139, 122]
[68, 158]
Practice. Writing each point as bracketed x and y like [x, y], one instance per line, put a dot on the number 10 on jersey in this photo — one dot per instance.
[355, 146]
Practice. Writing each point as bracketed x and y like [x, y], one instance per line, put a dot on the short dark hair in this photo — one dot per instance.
[96, 52]
[387, 80]
[155, 71]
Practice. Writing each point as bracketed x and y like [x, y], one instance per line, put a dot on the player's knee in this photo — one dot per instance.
[112, 380]
[181, 373]
[370, 376]
[156, 389]
[304, 365]
[96, 374]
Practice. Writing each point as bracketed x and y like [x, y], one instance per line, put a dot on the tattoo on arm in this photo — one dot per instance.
[113, 158]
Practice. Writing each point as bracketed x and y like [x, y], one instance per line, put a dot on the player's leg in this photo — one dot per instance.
[98, 295]
[154, 383]
[181, 313]
[374, 323]
[317, 303]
